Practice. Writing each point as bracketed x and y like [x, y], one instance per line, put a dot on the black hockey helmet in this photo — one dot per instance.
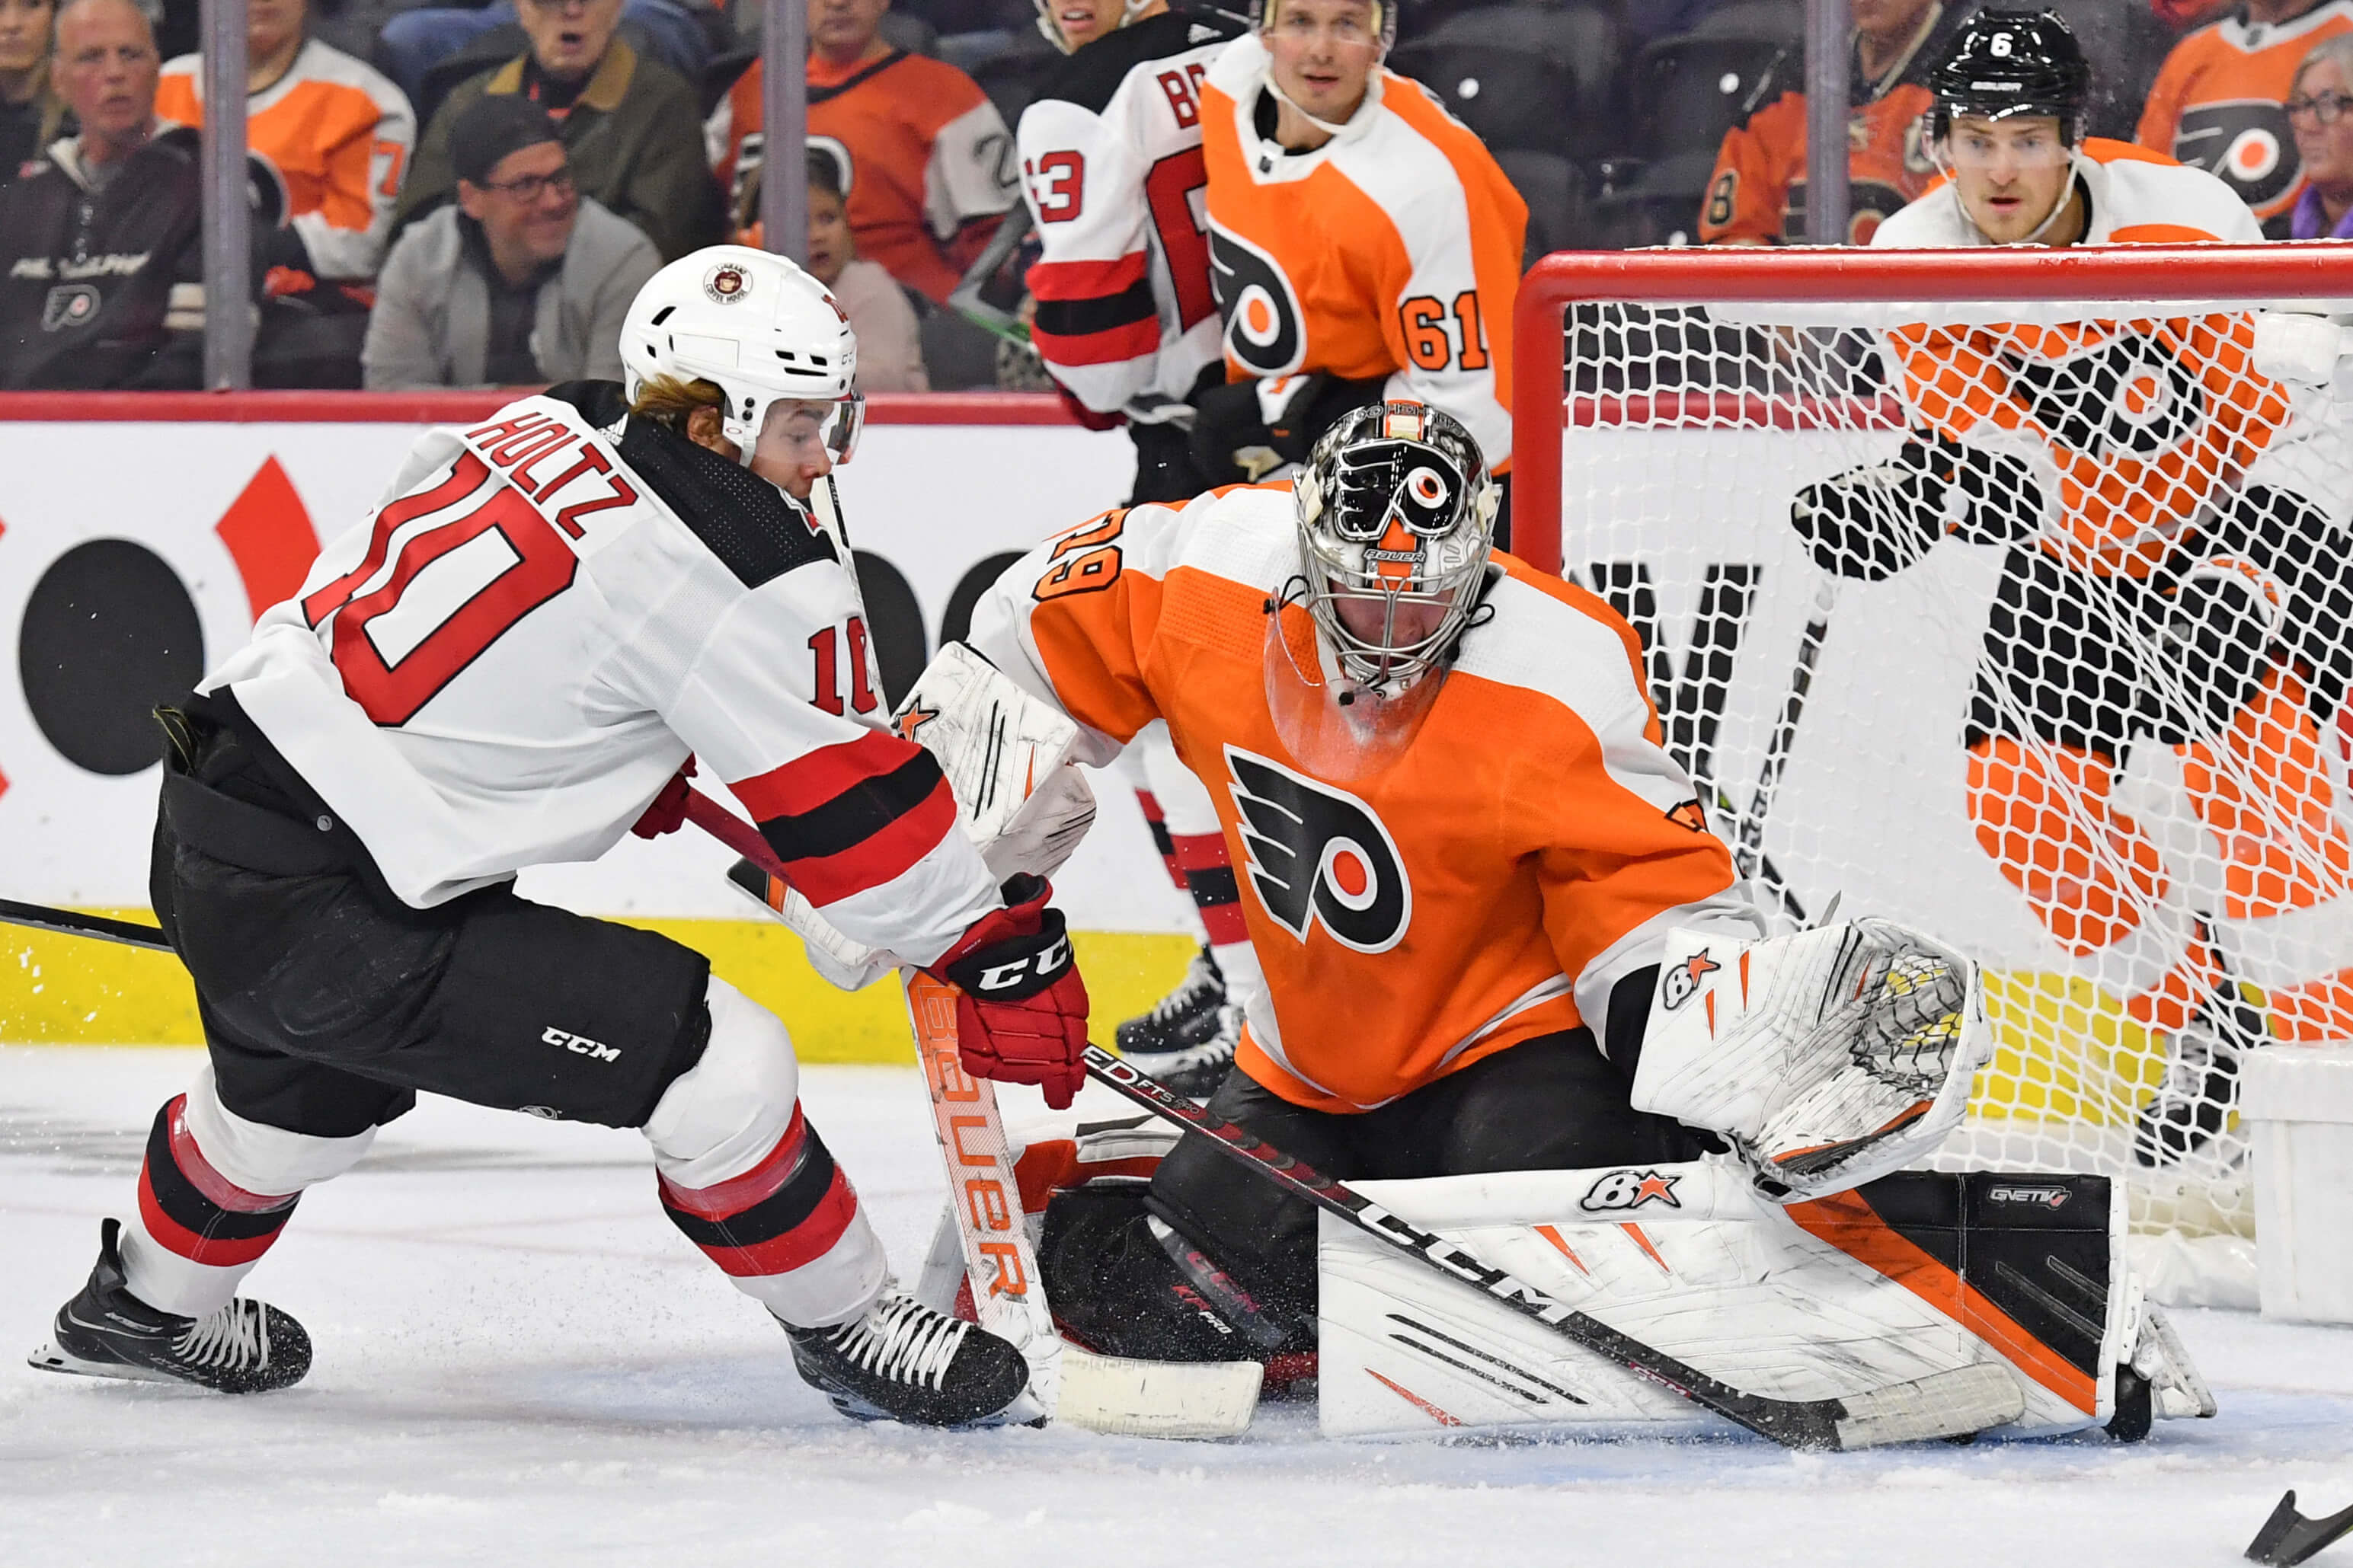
[2003, 63]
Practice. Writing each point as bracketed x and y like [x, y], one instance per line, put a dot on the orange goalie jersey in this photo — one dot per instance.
[1531, 845]
[1391, 250]
[2146, 421]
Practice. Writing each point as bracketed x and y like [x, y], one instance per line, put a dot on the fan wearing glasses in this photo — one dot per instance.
[524, 282]
[2316, 109]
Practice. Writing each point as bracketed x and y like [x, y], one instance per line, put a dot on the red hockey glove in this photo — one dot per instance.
[1021, 1008]
[669, 808]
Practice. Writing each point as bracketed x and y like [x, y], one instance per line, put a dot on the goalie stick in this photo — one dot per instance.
[1067, 1382]
[1944, 1405]
[1748, 849]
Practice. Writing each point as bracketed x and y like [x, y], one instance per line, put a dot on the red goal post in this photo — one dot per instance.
[1985, 708]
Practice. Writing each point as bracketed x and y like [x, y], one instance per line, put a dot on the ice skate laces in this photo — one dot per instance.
[904, 1341]
[1201, 976]
[235, 1337]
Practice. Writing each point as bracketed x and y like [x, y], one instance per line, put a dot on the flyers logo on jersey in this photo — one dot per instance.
[2245, 143]
[1681, 983]
[1263, 329]
[2124, 398]
[1319, 856]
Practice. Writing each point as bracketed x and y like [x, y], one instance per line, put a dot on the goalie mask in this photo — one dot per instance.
[759, 329]
[1396, 519]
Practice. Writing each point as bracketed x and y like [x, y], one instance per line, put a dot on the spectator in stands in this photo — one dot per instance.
[524, 280]
[890, 352]
[414, 42]
[630, 125]
[1758, 193]
[101, 264]
[2320, 109]
[31, 116]
[927, 161]
[2216, 103]
[340, 135]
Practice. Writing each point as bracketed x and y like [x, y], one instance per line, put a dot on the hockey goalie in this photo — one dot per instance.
[1514, 988]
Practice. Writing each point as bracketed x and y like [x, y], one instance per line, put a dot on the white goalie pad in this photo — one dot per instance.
[1007, 758]
[1804, 1301]
[1828, 1058]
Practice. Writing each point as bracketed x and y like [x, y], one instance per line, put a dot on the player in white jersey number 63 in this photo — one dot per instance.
[513, 662]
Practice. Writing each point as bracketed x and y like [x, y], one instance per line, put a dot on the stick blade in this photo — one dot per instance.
[1942, 1405]
[2288, 1538]
[1134, 1399]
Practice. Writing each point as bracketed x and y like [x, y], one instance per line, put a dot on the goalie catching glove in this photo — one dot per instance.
[1021, 1008]
[1827, 1059]
[1870, 522]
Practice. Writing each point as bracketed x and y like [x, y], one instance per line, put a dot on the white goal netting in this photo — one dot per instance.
[2027, 624]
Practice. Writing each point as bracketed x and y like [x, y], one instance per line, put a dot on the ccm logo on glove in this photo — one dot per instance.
[1021, 1008]
[1024, 976]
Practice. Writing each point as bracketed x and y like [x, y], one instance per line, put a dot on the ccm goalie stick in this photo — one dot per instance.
[1067, 1382]
[1944, 1405]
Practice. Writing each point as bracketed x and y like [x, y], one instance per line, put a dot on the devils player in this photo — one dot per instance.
[2173, 576]
[1111, 156]
[508, 666]
[1364, 244]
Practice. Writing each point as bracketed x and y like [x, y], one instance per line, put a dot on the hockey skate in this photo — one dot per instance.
[1180, 1020]
[106, 1331]
[1196, 1070]
[2190, 1107]
[903, 1361]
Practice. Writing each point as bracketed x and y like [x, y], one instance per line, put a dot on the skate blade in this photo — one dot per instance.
[52, 1358]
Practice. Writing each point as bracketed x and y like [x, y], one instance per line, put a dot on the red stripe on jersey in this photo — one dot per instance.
[808, 782]
[805, 1243]
[201, 1176]
[1086, 280]
[733, 1195]
[1110, 346]
[213, 1252]
[882, 858]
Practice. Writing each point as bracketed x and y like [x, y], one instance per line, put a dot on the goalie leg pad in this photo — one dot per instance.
[1811, 1300]
[1827, 1058]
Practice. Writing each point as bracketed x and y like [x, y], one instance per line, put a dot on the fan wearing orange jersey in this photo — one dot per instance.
[2216, 102]
[2172, 576]
[337, 132]
[1362, 244]
[927, 168]
[1758, 193]
[1461, 840]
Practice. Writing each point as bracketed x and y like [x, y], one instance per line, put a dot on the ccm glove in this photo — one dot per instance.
[1870, 522]
[1021, 1008]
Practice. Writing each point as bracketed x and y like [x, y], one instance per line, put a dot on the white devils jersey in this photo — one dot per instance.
[1111, 164]
[503, 665]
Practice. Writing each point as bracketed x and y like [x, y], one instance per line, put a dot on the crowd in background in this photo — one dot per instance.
[470, 196]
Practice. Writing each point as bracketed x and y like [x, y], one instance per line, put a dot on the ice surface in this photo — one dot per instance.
[520, 1363]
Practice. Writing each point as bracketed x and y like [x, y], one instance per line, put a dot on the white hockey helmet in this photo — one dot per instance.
[759, 329]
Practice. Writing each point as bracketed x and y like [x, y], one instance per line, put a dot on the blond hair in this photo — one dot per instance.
[670, 402]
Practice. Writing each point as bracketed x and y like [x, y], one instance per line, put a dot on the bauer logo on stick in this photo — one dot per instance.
[1681, 983]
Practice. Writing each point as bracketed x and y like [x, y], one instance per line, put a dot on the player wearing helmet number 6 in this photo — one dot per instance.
[1481, 889]
[510, 665]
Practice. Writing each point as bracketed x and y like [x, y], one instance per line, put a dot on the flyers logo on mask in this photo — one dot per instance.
[1318, 856]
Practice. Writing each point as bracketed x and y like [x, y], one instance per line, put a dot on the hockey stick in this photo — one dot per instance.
[66, 923]
[2288, 1538]
[1068, 1383]
[1748, 849]
[1942, 1405]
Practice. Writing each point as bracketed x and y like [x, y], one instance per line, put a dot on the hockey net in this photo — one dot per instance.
[2003, 594]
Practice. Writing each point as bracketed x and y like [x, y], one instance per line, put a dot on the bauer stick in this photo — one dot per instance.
[1942, 1405]
[1101, 1393]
